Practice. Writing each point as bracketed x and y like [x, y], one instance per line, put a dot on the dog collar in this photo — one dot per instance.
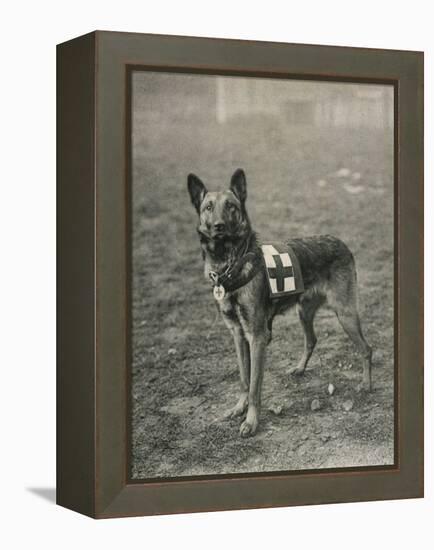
[233, 278]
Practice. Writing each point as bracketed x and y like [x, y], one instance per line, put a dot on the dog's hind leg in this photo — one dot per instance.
[350, 322]
[307, 308]
[344, 302]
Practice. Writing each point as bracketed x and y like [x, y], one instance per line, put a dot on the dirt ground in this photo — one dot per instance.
[301, 181]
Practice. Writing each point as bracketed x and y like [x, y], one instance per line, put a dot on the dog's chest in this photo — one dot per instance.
[235, 311]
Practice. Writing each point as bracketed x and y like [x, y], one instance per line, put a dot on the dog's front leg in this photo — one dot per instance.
[243, 357]
[258, 344]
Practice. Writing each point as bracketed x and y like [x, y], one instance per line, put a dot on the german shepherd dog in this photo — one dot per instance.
[233, 261]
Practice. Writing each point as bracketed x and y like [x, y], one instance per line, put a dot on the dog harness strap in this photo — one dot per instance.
[235, 279]
[232, 279]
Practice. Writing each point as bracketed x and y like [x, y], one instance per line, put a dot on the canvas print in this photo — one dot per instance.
[262, 275]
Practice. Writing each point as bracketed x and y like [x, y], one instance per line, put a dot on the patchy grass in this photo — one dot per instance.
[184, 366]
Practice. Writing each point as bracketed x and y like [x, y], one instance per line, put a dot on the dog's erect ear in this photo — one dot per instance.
[197, 191]
[239, 185]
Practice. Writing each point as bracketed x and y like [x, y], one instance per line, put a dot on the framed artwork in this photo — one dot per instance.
[240, 274]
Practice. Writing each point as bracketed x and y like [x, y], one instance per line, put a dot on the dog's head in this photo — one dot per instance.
[222, 214]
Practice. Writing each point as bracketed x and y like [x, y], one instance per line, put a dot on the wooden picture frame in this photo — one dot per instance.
[93, 271]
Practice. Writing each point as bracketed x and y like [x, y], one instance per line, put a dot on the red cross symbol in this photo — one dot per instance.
[280, 272]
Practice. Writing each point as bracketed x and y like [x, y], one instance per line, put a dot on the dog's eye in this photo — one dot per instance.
[209, 206]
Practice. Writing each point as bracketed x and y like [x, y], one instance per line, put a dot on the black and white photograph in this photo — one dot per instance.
[216, 241]
[262, 275]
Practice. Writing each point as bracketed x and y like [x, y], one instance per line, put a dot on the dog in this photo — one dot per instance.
[234, 265]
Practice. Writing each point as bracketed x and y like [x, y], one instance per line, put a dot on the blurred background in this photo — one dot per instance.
[319, 159]
[222, 99]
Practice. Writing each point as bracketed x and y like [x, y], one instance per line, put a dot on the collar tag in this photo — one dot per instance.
[219, 292]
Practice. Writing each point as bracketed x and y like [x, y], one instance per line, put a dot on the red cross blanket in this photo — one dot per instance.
[283, 270]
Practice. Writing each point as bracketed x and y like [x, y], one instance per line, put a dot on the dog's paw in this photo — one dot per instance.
[296, 371]
[235, 411]
[364, 387]
[250, 424]
[239, 409]
[247, 429]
